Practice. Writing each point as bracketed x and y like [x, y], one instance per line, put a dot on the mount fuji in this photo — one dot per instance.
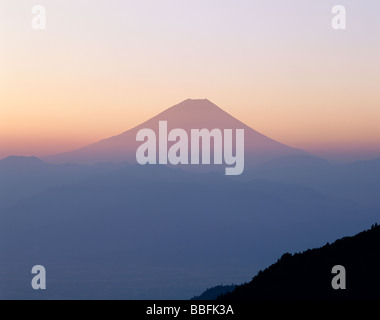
[189, 114]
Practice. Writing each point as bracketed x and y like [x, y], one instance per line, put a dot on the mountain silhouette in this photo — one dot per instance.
[21, 163]
[118, 230]
[308, 275]
[189, 114]
[214, 292]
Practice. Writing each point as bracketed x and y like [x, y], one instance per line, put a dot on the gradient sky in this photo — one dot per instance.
[102, 67]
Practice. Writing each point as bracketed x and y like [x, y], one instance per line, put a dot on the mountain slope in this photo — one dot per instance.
[189, 114]
[308, 275]
[214, 292]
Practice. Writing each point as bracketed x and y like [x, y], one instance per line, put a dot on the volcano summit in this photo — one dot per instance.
[187, 115]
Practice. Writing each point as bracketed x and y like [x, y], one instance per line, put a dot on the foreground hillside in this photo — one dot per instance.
[308, 275]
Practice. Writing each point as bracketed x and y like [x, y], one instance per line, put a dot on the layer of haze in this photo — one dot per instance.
[102, 67]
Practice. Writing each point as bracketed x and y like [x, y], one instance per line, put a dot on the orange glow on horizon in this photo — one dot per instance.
[296, 81]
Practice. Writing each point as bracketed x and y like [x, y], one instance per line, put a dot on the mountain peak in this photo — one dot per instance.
[187, 115]
[196, 100]
[21, 160]
[20, 163]
[197, 112]
[200, 104]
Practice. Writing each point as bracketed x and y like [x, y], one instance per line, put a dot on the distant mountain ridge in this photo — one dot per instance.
[19, 161]
[22, 177]
[189, 114]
